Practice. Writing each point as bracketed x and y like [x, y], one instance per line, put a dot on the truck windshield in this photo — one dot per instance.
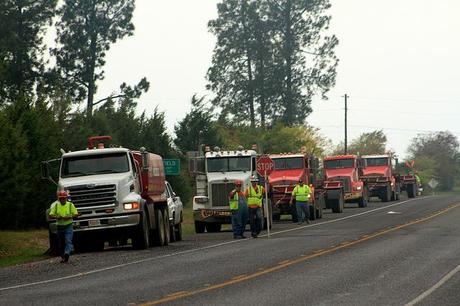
[94, 164]
[226, 164]
[288, 163]
[338, 163]
[381, 161]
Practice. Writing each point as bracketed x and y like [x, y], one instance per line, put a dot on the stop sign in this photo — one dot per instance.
[264, 165]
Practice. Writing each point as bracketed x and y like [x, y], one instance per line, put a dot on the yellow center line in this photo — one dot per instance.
[288, 263]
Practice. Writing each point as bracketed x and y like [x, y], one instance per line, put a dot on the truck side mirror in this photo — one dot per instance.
[145, 159]
[45, 170]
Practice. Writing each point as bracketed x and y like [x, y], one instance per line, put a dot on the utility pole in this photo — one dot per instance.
[346, 110]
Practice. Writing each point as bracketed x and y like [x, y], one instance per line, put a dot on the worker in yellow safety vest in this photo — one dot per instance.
[64, 211]
[301, 194]
[254, 193]
[239, 209]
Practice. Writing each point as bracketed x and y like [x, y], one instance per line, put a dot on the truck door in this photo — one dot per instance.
[136, 173]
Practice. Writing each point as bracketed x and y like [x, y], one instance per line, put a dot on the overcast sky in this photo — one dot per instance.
[399, 63]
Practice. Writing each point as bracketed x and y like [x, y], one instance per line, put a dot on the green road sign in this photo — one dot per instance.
[172, 166]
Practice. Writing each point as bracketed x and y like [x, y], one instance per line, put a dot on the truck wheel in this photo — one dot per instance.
[166, 227]
[54, 244]
[363, 200]
[410, 190]
[312, 209]
[172, 233]
[337, 206]
[213, 227]
[294, 214]
[387, 194]
[141, 239]
[199, 227]
[178, 232]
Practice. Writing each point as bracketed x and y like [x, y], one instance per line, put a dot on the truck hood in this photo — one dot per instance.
[286, 175]
[118, 179]
[376, 171]
[331, 173]
[229, 176]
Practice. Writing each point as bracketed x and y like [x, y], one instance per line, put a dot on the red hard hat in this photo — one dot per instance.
[62, 194]
[238, 183]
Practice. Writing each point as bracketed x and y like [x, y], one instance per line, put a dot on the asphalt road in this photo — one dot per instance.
[396, 253]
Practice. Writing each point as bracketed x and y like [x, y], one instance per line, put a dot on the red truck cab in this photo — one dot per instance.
[379, 177]
[343, 170]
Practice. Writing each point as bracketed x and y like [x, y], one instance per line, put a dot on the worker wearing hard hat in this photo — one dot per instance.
[301, 193]
[64, 211]
[239, 209]
[254, 193]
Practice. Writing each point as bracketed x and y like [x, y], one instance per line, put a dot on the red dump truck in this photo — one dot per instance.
[342, 180]
[289, 168]
[120, 194]
[379, 176]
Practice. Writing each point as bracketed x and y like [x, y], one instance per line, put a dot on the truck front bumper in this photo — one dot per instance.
[223, 216]
[351, 196]
[103, 223]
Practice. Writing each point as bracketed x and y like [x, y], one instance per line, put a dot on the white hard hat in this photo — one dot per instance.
[254, 178]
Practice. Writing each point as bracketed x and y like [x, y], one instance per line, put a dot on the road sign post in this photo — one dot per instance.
[433, 184]
[265, 166]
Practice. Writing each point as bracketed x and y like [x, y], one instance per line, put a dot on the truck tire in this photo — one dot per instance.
[410, 190]
[294, 217]
[159, 232]
[337, 205]
[199, 227]
[312, 209]
[213, 227]
[172, 233]
[54, 244]
[178, 231]
[141, 239]
[363, 200]
[386, 196]
[166, 225]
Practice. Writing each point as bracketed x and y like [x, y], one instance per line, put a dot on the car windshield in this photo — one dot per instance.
[381, 161]
[227, 164]
[338, 163]
[94, 164]
[288, 163]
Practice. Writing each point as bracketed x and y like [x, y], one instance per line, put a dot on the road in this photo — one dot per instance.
[396, 253]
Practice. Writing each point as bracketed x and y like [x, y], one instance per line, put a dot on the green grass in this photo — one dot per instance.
[22, 246]
[188, 225]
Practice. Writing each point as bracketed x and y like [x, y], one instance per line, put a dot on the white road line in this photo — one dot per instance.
[425, 294]
[196, 249]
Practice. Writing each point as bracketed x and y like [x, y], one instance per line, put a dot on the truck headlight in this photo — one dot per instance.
[131, 206]
[359, 188]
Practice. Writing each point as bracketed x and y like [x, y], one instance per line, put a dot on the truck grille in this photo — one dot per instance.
[219, 193]
[345, 181]
[88, 196]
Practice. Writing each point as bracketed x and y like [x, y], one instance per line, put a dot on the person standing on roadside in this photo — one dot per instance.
[239, 208]
[254, 194]
[301, 193]
[64, 211]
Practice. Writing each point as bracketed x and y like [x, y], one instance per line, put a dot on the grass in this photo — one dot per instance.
[22, 246]
[188, 225]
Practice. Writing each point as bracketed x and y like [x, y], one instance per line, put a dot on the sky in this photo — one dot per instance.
[399, 65]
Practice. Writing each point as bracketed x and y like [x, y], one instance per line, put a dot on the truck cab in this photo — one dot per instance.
[379, 177]
[120, 194]
[289, 169]
[221, 169]
[343, 171]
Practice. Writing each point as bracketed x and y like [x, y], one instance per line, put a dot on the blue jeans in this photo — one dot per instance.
[303, 211]
[239, 220]
[255, 220]
[65, 236]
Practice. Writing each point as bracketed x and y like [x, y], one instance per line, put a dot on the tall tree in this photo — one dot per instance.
[198, 127]
[22, 26]
[305, 56]
[85, 32]
[369, 143]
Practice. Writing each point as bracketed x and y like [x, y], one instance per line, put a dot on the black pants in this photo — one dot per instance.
[255, 220]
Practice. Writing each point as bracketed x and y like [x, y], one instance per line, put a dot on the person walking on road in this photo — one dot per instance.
[64, 211]
[254, 194]
[239, 208]
[301, 193]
